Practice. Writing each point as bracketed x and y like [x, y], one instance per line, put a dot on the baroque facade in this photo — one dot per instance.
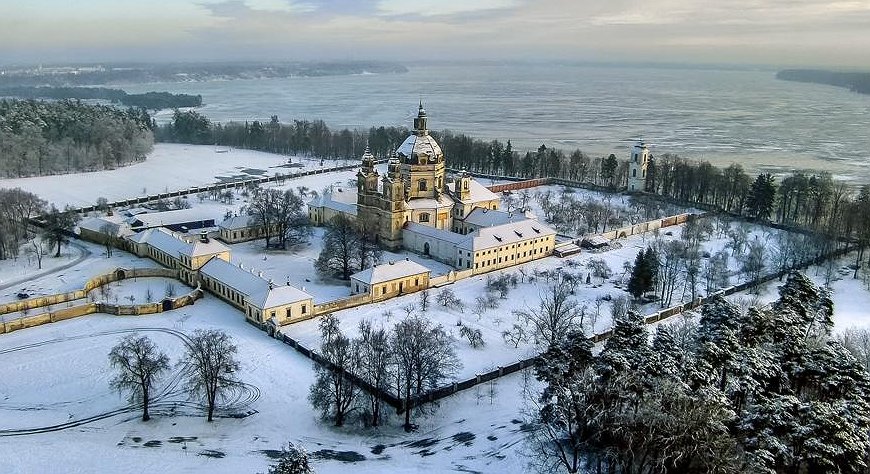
[415, 189]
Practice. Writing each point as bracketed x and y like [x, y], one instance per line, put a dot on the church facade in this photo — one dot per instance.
[415, 189]
[413, 206]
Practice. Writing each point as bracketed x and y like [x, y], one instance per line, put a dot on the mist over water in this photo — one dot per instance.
[724, 116]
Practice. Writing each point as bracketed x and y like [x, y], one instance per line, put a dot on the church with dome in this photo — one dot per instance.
[415, 206]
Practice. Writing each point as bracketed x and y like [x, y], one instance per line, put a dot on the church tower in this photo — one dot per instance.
[637, 167]
[422, 161]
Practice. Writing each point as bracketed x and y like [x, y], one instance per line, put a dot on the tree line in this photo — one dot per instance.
[40, 138]
[768, 390]
[147, 100]
[16, 208]
[813, 201]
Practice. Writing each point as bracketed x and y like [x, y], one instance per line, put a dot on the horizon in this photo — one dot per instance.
[807, 33]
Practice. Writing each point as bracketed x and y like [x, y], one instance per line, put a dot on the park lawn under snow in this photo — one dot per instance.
[58, 373]
[74, 277]
[168, 167]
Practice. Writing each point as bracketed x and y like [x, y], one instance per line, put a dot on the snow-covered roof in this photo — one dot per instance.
[237, 222]
[180, 216]
[429, 203]
[483, 217]
[510, 233]
[339, 199]
[198, 248]
[278, 296]
[95, 224]
[422, 145]
[439, 234]
[162, 240]
[135, 211]
[255, 288]
[476, 192]
[389, 271]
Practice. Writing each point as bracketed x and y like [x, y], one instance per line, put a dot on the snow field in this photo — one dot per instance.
[169, 167]
[70, 358]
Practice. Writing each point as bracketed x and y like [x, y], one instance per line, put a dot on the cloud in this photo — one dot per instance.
[793, 31]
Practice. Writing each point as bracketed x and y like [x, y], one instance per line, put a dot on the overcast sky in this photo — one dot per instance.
[777, 32]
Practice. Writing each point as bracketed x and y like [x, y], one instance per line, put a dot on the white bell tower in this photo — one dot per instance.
[637, 167]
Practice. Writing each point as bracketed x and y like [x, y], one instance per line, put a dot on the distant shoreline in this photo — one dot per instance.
[71, 76]
[854, 81]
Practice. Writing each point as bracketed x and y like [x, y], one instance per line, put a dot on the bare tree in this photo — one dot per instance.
[110, 234]
[424, 300]
[515, 335]
[211, 357]
[554, 317]
[38, 251]
[423, 357]
[139, 366]
[334, 393]
[374, 365]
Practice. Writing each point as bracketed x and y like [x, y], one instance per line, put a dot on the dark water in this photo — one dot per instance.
[723, 116]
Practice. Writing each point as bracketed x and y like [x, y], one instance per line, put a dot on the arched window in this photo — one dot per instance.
[424, 217]
[421, 185]
[634, 173]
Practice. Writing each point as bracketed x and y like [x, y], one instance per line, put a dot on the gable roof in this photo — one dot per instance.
[338, 199]
[255, 288]
[237, 222]
[389, 271]
[483, 217]
[505, 234]
[476, 192]
[439, 234]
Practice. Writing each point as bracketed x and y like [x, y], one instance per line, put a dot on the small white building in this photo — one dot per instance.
[336, 201]
[637, 167]
[242, 228]
[390, 279]
[174, 251]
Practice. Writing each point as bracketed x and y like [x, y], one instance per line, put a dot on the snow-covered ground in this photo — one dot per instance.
[26, 264]
[169, 167]
[74, 277]
[58, 375]
[297, 266]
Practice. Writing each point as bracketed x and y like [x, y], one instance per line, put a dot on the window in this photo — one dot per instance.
[272, 314]
[421, 185]
[289, 313]
[424, 217]
[634, 173]
[304, 309]
[417, 280]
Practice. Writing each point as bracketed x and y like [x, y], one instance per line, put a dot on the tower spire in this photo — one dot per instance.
[420, 121]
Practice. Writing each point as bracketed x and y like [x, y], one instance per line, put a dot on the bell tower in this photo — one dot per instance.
[420, 122]
[637, 167]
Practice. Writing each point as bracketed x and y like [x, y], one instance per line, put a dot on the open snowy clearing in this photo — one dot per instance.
[74, 277]
[169, 167]
[468, 431]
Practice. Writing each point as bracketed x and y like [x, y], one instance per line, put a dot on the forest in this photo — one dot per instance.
[137, 73]
[40, 138]
[764, 390]
[148, 100]
[813, 201]
[854, 81]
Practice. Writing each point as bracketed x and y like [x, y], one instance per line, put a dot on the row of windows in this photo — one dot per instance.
[514, 257]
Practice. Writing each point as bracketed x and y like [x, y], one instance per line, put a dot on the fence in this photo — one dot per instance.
[529, 183]
[648, 226]
[653, 318]
[91, 308]
[90, 285]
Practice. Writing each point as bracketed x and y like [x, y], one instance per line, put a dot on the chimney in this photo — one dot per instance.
[260, 274]
[241, 265]
[203, 236]
[407, 259]
[271, 284]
